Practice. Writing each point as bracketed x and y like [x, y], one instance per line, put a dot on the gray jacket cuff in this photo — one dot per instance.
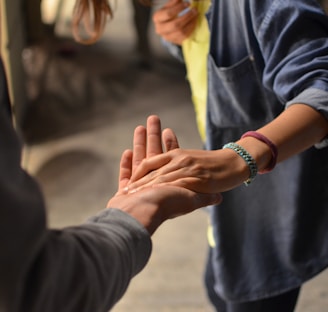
[125, 223]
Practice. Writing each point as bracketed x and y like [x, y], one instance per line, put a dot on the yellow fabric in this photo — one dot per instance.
[210, 236]
[195, 50]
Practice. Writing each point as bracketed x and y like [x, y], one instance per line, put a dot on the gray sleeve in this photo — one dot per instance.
[88, 267]
[85, 268]
[131, 229]
[317, 99]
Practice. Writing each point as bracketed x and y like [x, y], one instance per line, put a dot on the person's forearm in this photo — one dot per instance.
[87, 267]
[293, 131]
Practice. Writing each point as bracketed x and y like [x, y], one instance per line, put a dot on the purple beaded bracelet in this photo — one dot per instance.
[273, 148]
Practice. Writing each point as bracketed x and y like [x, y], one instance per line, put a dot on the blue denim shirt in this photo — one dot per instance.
[264, 56]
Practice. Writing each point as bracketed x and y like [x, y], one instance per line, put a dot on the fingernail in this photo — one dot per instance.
[184, 12]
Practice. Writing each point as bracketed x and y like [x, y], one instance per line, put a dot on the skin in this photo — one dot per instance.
[152, 206]
[293, 131]
[170, 26]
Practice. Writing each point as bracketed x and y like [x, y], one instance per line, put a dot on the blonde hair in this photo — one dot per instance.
[92, 15]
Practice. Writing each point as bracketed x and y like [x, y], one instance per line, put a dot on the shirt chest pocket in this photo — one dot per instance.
[236, 96]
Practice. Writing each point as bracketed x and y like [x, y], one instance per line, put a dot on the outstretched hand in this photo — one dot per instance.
[201, 171]
[153, 205]
[147, 142]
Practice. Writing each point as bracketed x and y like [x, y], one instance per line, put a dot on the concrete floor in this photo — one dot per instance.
[84, 113]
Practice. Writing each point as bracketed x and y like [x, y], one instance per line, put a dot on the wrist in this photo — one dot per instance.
[259, 150]
[144, 211]
[236, 169]
[247, 158]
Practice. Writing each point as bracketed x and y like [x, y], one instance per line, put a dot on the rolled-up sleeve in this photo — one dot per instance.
[293, 39]
[317, 99]
[88, 267]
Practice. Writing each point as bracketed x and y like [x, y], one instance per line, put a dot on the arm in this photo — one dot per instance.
[298, 77]
[295, 130]
[82, 268]
[298, 128]
[162, 203]
[174, 22]
[86, 267]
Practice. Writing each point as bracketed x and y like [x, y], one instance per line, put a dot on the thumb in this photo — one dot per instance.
[169, 139]
[125, 171]
[203, 199]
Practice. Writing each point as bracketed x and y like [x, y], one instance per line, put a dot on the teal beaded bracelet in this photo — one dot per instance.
[248, 159]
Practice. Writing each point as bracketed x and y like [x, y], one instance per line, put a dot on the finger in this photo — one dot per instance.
[125, 170]
[139, 146]
[154, 140]
[169, 12]
[178, 29]
[172, 3]
[181, 22]
[203, 200]
[149, 165]
[155, 179]
[171, 174]
[170, 179]
[198, 200]
[169, 139]
[190, 23]
[186, 22]
[177, 201]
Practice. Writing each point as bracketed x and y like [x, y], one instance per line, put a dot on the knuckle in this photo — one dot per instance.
[187, 160]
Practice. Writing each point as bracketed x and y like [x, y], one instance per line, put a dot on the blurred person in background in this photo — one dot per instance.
[141, 22]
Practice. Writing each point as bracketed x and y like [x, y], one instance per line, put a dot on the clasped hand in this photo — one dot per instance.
[198, 170]
[205, 172]
[153, 204]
